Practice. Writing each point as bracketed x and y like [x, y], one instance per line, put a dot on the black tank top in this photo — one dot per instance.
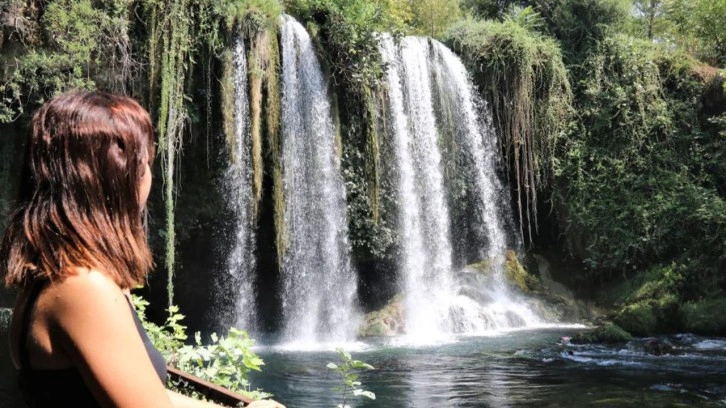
[66, 387]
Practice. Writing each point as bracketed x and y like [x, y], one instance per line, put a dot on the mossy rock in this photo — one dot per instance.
[607, 334]
[515, 273]
[385, 322]
[652, 316]
[639, 318]
[559, 308]
[482, 267]
[706, 317]
[650, 302]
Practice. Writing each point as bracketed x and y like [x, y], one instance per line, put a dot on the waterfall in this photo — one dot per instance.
[454, 88]
[472, 125]
[423, 213]
[318, 282]
[420, 71]
[237, 181]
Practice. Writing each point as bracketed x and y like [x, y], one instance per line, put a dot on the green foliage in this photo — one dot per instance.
[697, 27]
[180, 31]
[522, 75]
[705, 316]
[348, 30]
[580, 25]
[349, 372]
[225, 361]
[83, 44]
[485, 9]
[370, 239]
[171, 25]
[607, 334]
[256, 10]
[692, 26]
[649, 19]
[433, 17]
[632, 179]
[577, 24]
[526, 17]
[167, 338]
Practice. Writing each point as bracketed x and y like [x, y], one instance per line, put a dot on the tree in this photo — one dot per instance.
[399, 12]
[582, 24]
[699, 28]
[433, 17]
[650, 16]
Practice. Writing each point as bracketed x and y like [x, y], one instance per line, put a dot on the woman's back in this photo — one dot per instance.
[56, 364]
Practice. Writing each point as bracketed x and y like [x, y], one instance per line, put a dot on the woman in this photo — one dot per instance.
[74, 245]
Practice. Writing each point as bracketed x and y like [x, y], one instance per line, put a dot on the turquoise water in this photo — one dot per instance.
[515, 369]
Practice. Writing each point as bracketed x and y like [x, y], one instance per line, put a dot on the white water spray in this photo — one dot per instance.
[419, 70]
[237, 181]
[318, 282]
[423, 214]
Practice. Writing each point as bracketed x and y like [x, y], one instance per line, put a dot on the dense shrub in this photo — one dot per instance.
[634, 181]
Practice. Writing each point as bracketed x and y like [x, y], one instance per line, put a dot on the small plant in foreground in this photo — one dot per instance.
[226, 361]
[349, 371]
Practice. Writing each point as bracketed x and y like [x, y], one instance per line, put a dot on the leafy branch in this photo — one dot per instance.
[225, 361]
[349, 372]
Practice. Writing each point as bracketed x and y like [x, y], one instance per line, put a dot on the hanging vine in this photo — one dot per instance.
[171, 26]
[527, 85]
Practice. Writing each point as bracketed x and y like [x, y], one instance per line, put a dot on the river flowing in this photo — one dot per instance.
[526, 368]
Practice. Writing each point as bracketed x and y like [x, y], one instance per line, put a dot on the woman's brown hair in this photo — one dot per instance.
[78, 203]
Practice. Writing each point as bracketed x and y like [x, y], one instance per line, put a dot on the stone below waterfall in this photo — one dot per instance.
[474, 292]
[386, 322]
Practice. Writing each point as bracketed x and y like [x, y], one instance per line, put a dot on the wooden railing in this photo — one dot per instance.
[210, 391]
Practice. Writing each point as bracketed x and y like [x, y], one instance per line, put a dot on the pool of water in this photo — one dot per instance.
[527, 368]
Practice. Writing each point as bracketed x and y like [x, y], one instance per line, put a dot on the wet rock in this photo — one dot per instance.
[385, 322]
[515, 320]
[657, 347]
[558, 308]
[547, 298]
[516, 275]
[606, 334]
[639, 318]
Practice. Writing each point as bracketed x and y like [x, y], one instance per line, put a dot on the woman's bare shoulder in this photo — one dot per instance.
[93, 324]
[86, 293]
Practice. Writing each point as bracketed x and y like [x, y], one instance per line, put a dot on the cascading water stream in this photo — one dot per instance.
[237, 181]
[423, 214]
[318, 282]
[454, 87]
[419, 70]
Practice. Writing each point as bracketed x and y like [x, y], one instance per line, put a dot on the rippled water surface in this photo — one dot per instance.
[515, 369]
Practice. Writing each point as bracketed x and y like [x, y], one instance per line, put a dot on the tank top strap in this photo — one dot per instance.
[25, 324]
